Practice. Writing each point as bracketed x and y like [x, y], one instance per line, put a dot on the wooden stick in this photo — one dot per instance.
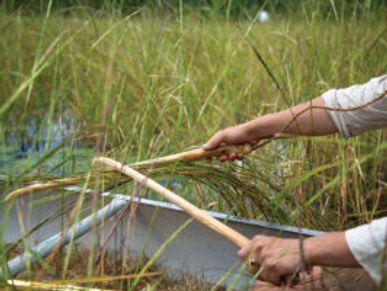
[104, 279]
[194, 155]
[191, 155]
[29, 285]
[199, 153]
[40, 187]
[191, 209]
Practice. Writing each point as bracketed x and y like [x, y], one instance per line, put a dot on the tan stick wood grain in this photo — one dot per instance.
[194, 155]
[191, 155]
[40, 187]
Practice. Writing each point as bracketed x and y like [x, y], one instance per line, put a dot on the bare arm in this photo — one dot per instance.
[301, 119]
[329, 250]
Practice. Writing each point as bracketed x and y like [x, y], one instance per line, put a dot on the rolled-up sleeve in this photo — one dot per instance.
[371, 116]
[368, 245]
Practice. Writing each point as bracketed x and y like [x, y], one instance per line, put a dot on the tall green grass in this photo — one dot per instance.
[145, 85]
[152, 85]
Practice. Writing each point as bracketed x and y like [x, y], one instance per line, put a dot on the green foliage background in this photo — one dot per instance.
[234, 8]
[147, 84]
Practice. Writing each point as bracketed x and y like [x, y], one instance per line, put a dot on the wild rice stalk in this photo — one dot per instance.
[195, 212]
[191, 155]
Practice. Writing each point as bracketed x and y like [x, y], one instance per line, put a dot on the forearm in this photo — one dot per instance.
[301, 119]
[329, 250]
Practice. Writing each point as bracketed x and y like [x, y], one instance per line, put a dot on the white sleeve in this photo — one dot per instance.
[368, 245]
[351, 123]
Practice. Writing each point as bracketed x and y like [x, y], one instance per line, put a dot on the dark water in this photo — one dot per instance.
[38, 138]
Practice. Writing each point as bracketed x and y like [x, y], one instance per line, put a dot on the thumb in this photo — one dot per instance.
[245, 251]
[214, 141]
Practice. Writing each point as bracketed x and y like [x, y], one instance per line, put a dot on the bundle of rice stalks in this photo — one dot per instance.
[237, 188]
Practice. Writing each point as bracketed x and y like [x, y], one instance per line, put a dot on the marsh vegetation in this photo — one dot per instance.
[139, 84]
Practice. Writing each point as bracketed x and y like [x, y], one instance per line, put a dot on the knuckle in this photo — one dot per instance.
[221, 133]
[270, 265]
[257, 238]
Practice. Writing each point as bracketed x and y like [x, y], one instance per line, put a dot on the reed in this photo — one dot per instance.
[142, 85]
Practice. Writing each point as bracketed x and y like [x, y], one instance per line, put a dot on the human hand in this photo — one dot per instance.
[233, 135]
[311, 280]
[278, 257]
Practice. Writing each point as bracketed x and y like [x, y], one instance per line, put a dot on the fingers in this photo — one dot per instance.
[232, 156]
[308, 281]
[277, 261]
[253, 248]
[246, 250]
[226, 156]
[215, 141]
[265, 286]
[270, 274]
[248, 254]
[311, 280]
[219, 139]
[251, 254]
[260, 258]
[228, 136]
